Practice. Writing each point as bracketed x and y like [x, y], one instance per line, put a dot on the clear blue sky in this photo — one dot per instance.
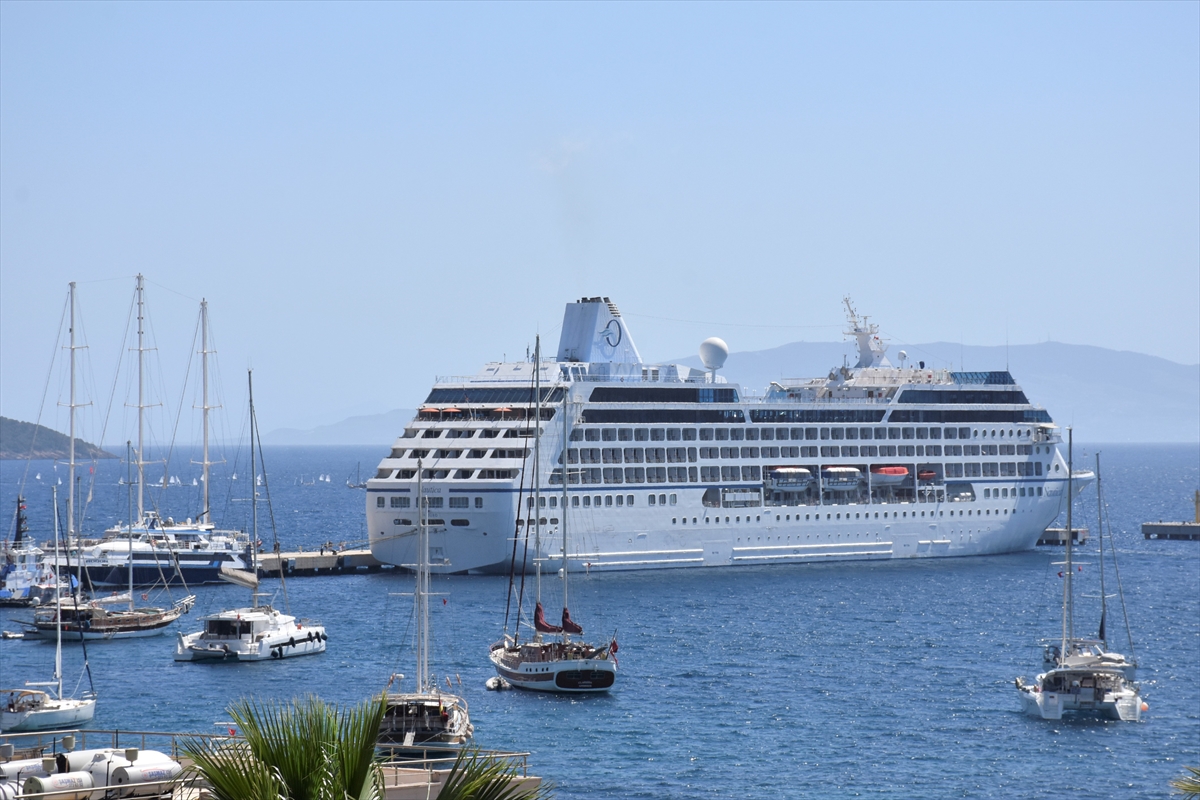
[371, 195]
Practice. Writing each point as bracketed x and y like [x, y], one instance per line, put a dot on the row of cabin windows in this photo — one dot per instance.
[594, 475]
[680, 455]
[467, 433]
[430, 502]
[594, 434]
[588, 501]
[418, 452]
[456, 474]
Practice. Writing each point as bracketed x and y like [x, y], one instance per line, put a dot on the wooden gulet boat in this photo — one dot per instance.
[558, 664]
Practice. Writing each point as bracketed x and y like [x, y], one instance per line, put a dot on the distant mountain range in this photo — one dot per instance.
[1107, 395]
[27, 440]
[379, 429]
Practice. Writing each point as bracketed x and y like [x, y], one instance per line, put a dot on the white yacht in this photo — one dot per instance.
[672, 466]
[257, 632]
[25, 577]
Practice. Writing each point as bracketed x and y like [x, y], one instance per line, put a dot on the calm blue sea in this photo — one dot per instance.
[892, 680]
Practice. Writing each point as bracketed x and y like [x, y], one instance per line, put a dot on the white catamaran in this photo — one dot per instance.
[671, 466]
[1083, 678]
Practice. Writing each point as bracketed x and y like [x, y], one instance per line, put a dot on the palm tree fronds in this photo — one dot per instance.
[1187, 785]
[475, 776]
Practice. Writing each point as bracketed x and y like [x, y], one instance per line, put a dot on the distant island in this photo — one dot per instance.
[19, 440]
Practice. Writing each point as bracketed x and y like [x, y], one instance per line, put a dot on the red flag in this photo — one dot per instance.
[443, 601]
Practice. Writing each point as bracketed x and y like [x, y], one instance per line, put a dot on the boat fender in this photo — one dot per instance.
[274, 653]
[309, 637]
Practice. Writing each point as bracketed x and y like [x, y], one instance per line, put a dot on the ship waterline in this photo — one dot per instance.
[672, 467]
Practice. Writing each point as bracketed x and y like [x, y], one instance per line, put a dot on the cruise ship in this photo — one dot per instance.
[672, 466]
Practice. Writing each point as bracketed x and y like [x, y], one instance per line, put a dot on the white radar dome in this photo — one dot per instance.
[713, 353]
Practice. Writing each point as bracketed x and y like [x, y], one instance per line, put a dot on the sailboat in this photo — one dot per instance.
[164, 550]
[358, 482]
[36, 710]
[95, 619]
[1080, 651]
[427, 716]
[258, 632]
[557, 663]
[1082, 678]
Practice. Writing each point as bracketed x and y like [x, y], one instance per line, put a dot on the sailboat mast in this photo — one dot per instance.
[422, 588]
[71, 479]
[253, 494]
[1068, 625]
[141, 406]
[205, 515]
[129, 503]
[1103, 632]
[565, 566]
[537, 463]
[57, 598]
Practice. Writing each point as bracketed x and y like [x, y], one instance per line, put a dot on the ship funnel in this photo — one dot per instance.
[593, 332]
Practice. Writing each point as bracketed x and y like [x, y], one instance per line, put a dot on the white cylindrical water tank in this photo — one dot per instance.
[153, 774]
[72, 785]
[20, 770]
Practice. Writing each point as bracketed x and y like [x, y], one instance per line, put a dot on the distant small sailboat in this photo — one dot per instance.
[194, 482]
[37, 477]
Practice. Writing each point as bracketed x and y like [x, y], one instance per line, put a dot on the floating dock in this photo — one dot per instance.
[320, 562]
[1058, 536]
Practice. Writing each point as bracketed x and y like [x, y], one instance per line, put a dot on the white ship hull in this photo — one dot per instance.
[654, 538]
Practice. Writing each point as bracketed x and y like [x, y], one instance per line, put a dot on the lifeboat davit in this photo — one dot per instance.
[887, 476]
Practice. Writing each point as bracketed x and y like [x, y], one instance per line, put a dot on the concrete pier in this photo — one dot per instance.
[1058, 536]
[1182, 531]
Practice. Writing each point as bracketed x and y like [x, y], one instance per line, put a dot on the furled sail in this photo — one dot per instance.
[540, 624]
[568, 625]
[239, 576]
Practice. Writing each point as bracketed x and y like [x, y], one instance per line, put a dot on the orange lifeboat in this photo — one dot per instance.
[886, 476]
